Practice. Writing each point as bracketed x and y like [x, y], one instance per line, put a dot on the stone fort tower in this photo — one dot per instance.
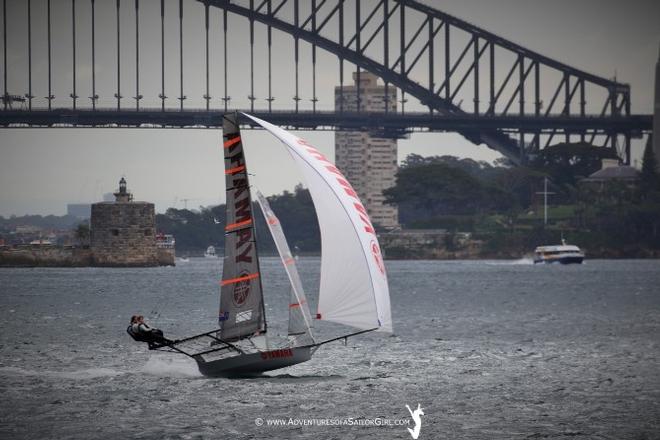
[123, 232]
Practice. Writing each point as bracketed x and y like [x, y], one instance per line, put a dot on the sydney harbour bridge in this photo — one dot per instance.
[182, 63]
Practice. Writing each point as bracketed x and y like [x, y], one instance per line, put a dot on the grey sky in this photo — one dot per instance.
[43, 169]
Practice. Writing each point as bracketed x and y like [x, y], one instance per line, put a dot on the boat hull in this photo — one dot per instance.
[562, 260]
[253, 364]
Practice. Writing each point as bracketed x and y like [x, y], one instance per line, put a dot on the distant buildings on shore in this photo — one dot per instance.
[611, 172]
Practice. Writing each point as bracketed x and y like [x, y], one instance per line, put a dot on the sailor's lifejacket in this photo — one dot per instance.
[136, 336]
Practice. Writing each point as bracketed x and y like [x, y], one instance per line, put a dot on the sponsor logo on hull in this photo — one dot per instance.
[276, 354]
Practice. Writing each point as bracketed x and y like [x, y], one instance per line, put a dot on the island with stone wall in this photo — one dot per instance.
[123, 234]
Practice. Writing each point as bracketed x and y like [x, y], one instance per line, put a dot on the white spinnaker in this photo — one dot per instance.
[354, 288]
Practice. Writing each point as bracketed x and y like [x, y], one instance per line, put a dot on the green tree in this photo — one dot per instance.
[83, 234]
[195, 230]
[298, 217]
[567, 163]
[427, 188]
[521, 182]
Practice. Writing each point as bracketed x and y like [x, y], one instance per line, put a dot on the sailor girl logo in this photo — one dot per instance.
[378, 257]
[417, 418]
[241, 290]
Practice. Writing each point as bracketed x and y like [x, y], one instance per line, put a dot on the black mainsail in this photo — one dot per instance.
[241, 296]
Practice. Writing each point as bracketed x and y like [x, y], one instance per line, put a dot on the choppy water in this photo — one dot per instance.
[489, 349]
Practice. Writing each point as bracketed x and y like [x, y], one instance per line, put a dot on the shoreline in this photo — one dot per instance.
[58, 256]
[54, 265]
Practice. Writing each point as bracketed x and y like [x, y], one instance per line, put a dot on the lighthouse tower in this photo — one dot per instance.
[122, 195]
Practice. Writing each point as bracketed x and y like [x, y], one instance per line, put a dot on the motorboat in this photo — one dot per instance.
[563, 254]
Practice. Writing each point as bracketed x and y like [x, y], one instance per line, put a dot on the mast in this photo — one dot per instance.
[242, 311]
[545, 200]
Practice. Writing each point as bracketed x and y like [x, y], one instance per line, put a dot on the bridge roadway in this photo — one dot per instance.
[389, 124]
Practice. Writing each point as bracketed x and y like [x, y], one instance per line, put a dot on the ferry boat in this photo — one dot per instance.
[563, 254]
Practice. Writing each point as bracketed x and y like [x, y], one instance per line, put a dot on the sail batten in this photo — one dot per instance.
[353, 289]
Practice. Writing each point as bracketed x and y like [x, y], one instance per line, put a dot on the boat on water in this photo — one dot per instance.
[353, 287]
[210, 252]
[165, 241]
[562, 254]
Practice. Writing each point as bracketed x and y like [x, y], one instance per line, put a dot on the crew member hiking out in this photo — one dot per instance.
[141, 331]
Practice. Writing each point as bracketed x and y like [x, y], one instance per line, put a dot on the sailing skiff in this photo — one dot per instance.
[353, 288]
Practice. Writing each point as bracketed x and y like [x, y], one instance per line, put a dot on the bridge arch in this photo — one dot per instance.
[617, 95]
[440, 60]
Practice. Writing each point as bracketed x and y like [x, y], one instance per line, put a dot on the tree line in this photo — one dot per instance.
[498, 203]
[196, 230]
[502, 204]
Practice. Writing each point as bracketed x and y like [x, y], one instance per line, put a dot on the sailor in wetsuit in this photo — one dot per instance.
[140, 331]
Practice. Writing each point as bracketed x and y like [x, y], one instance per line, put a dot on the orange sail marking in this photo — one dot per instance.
[239, 279]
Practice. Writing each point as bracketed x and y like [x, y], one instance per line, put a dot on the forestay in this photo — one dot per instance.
[241, 298]
[300, 319]
[353, 288]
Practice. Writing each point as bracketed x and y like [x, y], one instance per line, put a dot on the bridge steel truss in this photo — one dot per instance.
[436, 58]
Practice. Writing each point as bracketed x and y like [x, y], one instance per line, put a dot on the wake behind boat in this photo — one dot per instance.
[563, 254]
[353, 288]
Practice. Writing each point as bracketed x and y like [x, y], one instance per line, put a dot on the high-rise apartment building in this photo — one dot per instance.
[367, 161]
[656, 114]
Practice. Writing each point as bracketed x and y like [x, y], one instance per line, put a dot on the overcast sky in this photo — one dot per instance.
[41, 170]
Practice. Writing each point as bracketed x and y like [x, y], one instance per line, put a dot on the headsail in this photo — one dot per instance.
[241, 297]
[354, 288]
[300, 320]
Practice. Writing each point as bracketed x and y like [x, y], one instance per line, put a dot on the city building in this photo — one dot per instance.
[81, 211]
[656, 114]
[368, 162]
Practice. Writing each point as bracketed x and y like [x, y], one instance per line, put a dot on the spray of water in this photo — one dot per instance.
[171, 367]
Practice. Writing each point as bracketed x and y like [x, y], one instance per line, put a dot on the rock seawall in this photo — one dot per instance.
[29, 256]
[54, 256]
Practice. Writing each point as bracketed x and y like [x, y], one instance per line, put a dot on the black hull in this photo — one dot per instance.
[563, 260]
[253, 364]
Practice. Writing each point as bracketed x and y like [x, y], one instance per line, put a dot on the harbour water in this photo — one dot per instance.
[489, 349]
